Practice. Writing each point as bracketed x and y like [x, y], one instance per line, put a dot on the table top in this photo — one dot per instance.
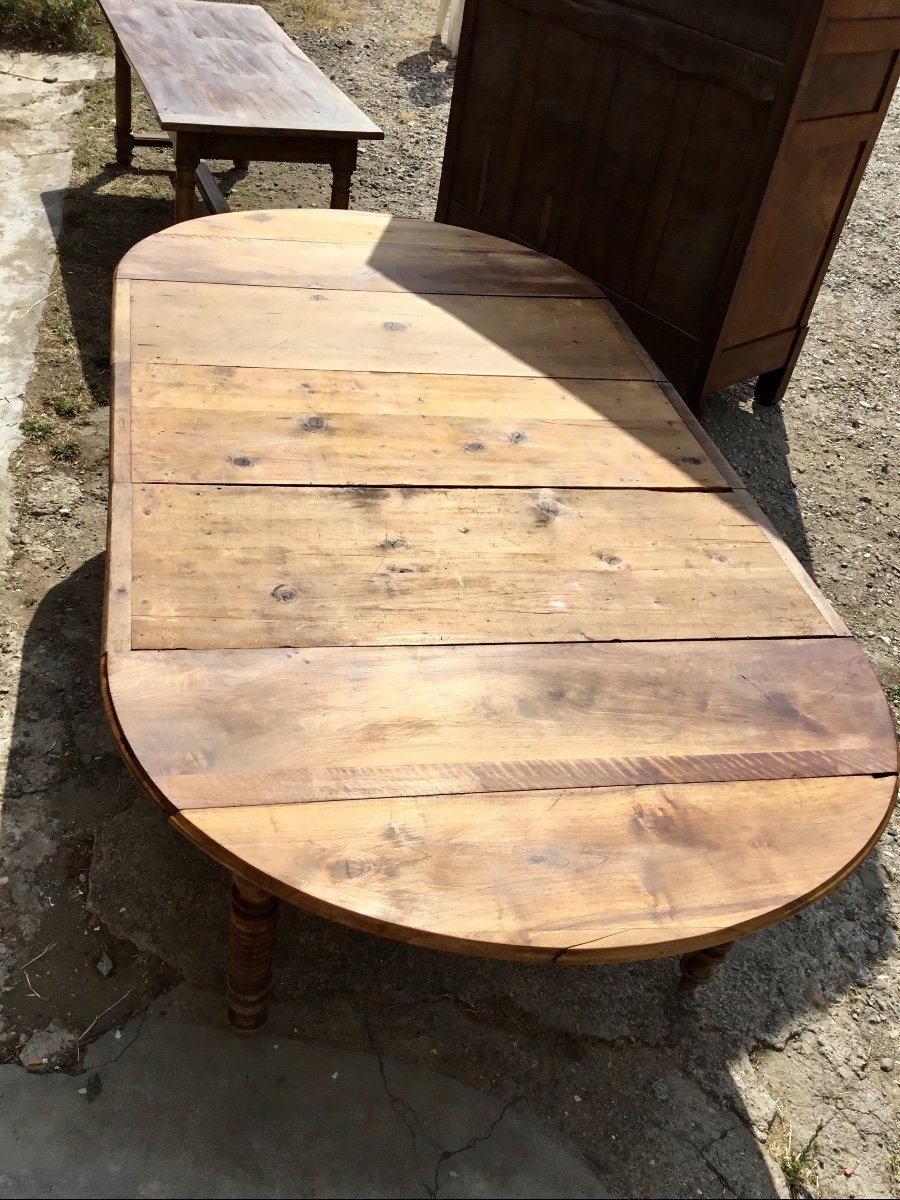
[432, 609]
[229, 68]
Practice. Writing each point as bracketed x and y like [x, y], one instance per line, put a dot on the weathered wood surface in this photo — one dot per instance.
[351, 266]
[214, 68]
[245, 727]
[370, 566]
[429, 608]
[613, 860]
[196, 424]
[329, 330]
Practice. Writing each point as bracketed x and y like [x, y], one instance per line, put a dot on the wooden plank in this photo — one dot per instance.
[746, 358]
[244, 425]
[344, 227]
[231, 325]
[797, 228]
[220, 567]
[848, 9]
[243, 727]
[353, 266]
[850, 129]
[860, 36]
[211, 67]
[840, 84]
[589, 875]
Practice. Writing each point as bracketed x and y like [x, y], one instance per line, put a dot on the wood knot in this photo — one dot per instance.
[692, 461]
[241, 460]
[351, 868]
[312, 423]
[283, 593]
[397, 543]
[547, 511]
[516, 436]
[474, 447]
[611, 560]
[723, 558]
[395, 326]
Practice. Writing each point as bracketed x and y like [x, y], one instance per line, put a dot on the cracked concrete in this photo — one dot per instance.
[265, 1116]
[37, 98]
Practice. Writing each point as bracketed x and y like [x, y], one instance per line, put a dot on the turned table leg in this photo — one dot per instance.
[698, 968]
[251, 947]
[343, 164]
[123, 134]
[187, 159]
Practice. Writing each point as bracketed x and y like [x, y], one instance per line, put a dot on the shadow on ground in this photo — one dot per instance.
[430, 83]
[755, 442]
[655, 1089]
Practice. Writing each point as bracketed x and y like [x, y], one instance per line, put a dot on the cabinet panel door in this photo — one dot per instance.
[620, 141]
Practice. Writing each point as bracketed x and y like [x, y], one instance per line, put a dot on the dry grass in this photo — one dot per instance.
[295, 15]
[322, 14]
[800, 1164]
[47, 24]
[77, 25]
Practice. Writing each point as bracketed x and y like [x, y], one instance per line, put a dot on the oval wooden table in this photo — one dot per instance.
[431, 609]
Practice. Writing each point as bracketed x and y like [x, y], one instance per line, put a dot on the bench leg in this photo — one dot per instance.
[124, 138]
[251, 948]
[187, 159]
[698, 968]
[241, 164]
[343, 164]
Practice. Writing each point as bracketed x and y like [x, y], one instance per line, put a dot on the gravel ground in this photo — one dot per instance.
[664, 1099]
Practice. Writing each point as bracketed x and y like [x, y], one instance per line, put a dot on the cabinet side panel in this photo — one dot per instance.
[846, 83]
[481, 145]
[794, 232]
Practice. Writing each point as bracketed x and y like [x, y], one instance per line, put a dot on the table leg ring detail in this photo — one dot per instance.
[698, 968]
[251, 948]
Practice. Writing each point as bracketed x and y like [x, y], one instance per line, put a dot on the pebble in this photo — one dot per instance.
[887, 1064]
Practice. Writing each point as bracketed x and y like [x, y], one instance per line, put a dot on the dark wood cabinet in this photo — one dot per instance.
[696, 158]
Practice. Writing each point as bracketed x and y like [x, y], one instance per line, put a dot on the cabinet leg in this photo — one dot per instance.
[343, 164]
[123, 135]
[241, 164]
[771, 386]
[698, 968]
[251, 948]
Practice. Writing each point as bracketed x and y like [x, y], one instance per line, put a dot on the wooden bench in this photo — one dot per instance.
[226, 82]
[430, 608]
